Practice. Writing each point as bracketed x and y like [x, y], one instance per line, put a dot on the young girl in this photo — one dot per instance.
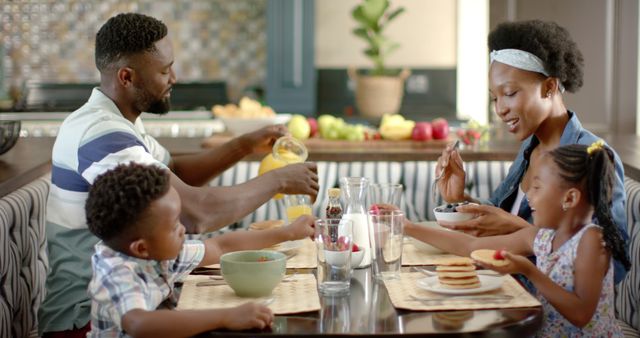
[574, 272]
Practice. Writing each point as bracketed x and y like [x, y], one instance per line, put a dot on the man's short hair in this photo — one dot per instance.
[124, 35]
[119, 198]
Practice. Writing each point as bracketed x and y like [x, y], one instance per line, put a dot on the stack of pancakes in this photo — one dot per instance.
[458, 273]
[264, 225]
[451, 320]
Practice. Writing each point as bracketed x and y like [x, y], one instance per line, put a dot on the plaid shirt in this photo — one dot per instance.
[122, 283]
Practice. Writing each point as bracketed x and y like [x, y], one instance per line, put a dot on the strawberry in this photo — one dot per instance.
[374, 209]
[498, 254]
[354, 247]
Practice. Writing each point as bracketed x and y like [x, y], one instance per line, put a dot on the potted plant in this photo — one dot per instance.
[380, 91]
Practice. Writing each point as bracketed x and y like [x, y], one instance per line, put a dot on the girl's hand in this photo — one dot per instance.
[248, 316]
[302, 227]
[516, 264]
[489, 221]
[451, 185]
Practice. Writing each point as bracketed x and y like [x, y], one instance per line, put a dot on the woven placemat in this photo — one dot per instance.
[305, 257]
[414, 256]
[298, 294]
[400, 291]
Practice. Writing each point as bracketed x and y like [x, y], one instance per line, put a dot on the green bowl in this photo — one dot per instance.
[253, 273]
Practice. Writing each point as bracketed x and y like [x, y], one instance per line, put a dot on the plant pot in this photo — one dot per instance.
[378, 95]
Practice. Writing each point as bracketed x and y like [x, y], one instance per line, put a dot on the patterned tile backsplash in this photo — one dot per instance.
[53, 41]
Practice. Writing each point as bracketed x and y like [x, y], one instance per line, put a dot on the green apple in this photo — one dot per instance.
[299, 127]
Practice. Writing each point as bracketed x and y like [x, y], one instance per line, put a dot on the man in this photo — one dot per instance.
[135, 58]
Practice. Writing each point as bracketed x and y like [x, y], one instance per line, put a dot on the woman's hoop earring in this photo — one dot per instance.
[549, 94]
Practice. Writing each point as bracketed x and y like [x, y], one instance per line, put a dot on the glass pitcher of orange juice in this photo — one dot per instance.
[286, 150]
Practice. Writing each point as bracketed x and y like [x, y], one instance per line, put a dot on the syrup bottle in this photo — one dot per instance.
[334, 208]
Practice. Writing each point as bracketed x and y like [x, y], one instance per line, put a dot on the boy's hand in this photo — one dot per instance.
[302, 227]
[248, 316]
[517, 264]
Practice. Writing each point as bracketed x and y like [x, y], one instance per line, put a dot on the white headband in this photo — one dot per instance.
[521, 59]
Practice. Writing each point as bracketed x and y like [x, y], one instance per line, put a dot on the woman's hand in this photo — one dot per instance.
[517, 264]
[451, 185]
[489, 221]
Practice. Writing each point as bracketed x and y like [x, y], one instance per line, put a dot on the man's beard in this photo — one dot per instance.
[159, 107]
[147, 103]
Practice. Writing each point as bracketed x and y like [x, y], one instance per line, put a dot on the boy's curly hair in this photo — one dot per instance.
[546, 40]
[118, 199]
[126, 34]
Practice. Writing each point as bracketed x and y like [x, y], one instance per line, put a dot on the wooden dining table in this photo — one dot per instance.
[368, 311]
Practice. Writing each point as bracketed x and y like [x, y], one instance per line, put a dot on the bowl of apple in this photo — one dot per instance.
[357, 254]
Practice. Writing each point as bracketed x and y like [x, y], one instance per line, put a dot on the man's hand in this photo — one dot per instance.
[248, 316]
[298, 178]
[489, 221]
[302, 227]
[262, 140]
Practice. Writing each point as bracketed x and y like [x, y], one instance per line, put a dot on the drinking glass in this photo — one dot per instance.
[334, 238]
[296, 206]
[335, 316]
[386, 242]
[387, 193]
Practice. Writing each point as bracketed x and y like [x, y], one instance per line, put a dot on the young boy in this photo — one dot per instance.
[135, 211]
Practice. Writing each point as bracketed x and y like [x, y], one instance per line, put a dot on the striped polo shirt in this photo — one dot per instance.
[91, 140]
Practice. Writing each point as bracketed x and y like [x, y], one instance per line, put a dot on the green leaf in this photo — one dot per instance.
[359, 16]
[374, 9]
[391, 48]
[361, 33]
[370, 52]
[395, 13]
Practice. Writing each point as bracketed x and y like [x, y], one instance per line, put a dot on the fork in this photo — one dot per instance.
[434, 186]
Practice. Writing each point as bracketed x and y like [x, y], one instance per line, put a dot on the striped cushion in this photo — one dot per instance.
[628, 331]
[628, 291]
[23, 258]
[416, 177]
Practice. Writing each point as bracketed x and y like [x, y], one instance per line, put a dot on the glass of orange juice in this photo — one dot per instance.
[286, 150]
[296, 206]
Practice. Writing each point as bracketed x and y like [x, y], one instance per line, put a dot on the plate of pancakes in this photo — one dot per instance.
[458, 276]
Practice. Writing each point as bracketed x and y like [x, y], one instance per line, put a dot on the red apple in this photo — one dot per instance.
[440, 128]
[313, 124]
[354, 247]
[422, 131]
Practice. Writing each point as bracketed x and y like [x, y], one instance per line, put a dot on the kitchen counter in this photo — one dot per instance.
[30, 158]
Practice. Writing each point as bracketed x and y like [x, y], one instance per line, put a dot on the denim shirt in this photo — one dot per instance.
[505, 195]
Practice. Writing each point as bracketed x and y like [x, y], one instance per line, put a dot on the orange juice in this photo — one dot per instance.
[295, 211]
[286, 150]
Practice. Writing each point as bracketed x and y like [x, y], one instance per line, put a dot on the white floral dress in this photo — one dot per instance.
[559, 266]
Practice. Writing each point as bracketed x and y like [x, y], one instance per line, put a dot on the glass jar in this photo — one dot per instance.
[286, 150]
[354, 189]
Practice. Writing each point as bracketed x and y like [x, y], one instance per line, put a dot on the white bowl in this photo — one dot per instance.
[425, 247]
[239, 125]
[356, 258]
[451, 216]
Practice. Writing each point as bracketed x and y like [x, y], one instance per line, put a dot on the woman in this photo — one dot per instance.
[532, 64]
